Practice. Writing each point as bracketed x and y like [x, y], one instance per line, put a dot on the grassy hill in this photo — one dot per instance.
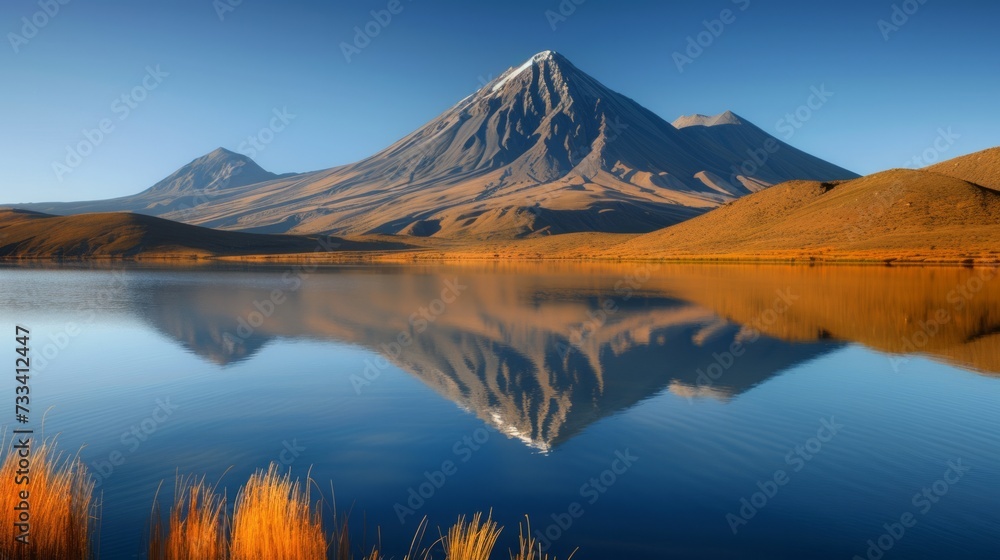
[25, 234]
[897, 214]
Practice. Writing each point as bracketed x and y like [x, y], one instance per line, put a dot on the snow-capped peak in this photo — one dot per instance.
[514, 72]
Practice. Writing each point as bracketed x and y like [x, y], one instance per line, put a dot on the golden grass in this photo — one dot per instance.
[473, 540]
[274, 519]
[529, 548]
[62, 509]
[197, 525]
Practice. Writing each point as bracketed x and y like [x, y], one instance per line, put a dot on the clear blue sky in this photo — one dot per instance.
[940, 69]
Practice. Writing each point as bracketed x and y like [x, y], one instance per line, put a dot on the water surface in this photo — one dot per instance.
[650, 401]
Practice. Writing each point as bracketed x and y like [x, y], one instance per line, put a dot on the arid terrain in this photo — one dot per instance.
[542, 149]
[544, 162]
[26, 234]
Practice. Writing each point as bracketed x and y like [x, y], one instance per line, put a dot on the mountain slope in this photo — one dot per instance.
[25, 234]
[543, 149]
[898, 213]
[758, 159]
[981, 168]
[195, 183]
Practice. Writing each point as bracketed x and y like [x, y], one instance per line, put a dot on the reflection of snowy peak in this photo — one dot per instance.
[504, 351]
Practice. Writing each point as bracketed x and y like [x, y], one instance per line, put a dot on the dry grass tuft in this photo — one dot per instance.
[196, 526]
[530, 549]
[275, 519]
[62, 511]
[473, 540]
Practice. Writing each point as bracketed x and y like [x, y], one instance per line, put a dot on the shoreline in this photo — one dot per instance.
[435, 257]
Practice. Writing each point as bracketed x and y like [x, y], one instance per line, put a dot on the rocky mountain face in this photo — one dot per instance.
[543, 149]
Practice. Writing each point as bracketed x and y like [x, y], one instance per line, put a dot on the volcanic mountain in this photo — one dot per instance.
[542, 149]
[193, 184]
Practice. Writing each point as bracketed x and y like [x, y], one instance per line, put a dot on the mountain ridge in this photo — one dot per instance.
[543, 149]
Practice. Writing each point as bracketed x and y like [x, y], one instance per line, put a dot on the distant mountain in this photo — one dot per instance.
[759, 159]
[26, 234]
[217, 171]
[543, 149]
[199, 181]
[897, 214]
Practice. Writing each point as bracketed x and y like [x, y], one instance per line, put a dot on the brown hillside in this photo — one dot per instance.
[26, 234]
[981, 168]
[897, 213]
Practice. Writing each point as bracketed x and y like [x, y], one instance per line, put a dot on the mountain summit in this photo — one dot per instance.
[219, 169]
[542, 149]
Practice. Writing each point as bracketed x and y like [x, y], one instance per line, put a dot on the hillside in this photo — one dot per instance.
[896, 214]
[26, 234]
[981, 168]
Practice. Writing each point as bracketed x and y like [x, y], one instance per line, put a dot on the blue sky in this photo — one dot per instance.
[214, 81]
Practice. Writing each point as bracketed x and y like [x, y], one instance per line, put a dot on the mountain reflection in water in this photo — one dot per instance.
[541, 352]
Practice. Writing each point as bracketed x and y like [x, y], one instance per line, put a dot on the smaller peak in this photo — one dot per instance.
[728, 117]
[221, 152]
[696, 119]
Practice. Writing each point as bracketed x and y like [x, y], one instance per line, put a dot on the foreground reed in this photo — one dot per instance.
[529, 548]
[197, 524]
[274, 518]
[473, 540]
[62, 513]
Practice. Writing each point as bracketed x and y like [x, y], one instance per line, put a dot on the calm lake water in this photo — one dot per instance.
[637, 411]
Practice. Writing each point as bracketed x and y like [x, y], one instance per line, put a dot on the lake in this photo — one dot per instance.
[640, 410]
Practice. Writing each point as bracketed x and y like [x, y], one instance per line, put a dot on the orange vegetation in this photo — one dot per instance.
[62, 514]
